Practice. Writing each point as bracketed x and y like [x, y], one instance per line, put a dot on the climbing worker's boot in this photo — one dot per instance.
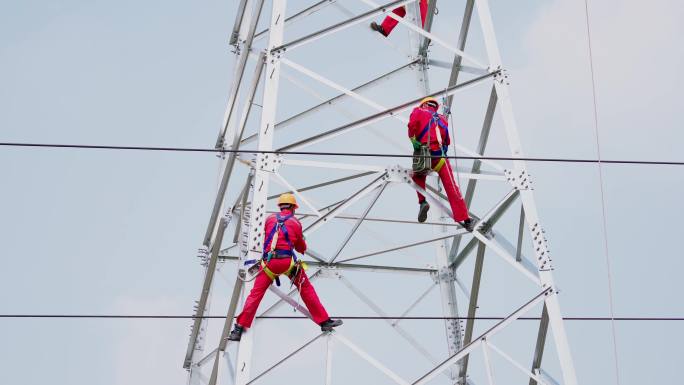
[378, 28]
[422, 211]
[468, 224]
[236, 334]
[329, 324]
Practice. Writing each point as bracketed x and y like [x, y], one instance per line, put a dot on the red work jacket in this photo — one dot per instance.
[294, 232]
[420, 117]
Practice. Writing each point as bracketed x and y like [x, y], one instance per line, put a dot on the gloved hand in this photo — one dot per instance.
[416, 144]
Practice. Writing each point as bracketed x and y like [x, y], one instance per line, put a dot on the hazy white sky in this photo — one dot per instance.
[115, 232]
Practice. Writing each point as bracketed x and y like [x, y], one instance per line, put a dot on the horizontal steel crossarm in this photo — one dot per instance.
[332, 101]
[206, 290]
[385, 114]
[368, 358]
[323, 80]
[340, 26]
[298, 16]
[503, 254]
[324, 184]
[462, 68]
[373, 306]
[430, 36]
[406, 246]
[332, 165]
[383, 220]
[467, 349]
[358, 267]
[515, 363]
[345, 204]
[287, 357]
[456, 260]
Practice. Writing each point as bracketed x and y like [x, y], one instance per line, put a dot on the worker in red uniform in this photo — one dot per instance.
[389, 23]
[427, 127]
[283, 235]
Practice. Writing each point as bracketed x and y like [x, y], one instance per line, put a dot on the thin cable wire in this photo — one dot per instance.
[611, 304]
[428, 318]
[315, 153]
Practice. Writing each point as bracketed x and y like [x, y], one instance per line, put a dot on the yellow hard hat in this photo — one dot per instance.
[430, 99]
[288, 199]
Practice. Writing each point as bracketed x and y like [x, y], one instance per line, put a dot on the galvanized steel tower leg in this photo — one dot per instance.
[263, 162]
[520, 177]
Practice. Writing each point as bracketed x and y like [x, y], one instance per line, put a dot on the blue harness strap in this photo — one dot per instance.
[280, 226]
[435, 119]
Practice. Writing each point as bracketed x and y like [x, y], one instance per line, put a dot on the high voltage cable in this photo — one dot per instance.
[319, 153]
[482, 318]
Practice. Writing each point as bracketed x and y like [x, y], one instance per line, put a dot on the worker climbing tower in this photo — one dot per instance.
[422, 302]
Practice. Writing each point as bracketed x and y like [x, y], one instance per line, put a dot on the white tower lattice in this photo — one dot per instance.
[453, 245]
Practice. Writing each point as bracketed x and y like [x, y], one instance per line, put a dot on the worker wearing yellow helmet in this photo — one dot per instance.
[429, 134]
[282, 237]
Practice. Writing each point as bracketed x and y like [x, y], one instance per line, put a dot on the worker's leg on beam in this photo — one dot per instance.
[389, 23]
[458, 206]
[309, 296]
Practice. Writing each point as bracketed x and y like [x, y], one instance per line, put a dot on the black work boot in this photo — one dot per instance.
[468, 224]
[329, 324]
[422, 211]
[236, 334]
[378, 28]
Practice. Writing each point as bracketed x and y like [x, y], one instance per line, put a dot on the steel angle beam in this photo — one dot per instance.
[456, 260]
[230, 161]
[383, 114]
[405, 246]
[340, 26]
[334, 100]
[472, 308]
[541, 342]
[299, 15]
[467, 349]
[204, 295]
[243, 56]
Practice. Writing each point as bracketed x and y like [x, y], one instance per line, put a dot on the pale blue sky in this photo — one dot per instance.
[116, 232]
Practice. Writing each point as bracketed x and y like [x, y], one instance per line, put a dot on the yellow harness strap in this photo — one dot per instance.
[270, 274]
[439, 165]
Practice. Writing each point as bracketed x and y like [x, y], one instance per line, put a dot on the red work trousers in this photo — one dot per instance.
[389, 23]
[261, 284]
[446, 175]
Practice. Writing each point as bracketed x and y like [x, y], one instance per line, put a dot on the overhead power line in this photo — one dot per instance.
[426, 318]
[319, 153]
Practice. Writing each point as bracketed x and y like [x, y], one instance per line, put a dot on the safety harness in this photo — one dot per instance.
[271, 252]
[442, 150]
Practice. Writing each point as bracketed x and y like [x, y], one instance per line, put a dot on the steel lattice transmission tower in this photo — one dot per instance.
[236, 225]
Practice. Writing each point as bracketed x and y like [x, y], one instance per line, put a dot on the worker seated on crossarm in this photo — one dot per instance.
[282, 237]
[429, 132]
[389, 23]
